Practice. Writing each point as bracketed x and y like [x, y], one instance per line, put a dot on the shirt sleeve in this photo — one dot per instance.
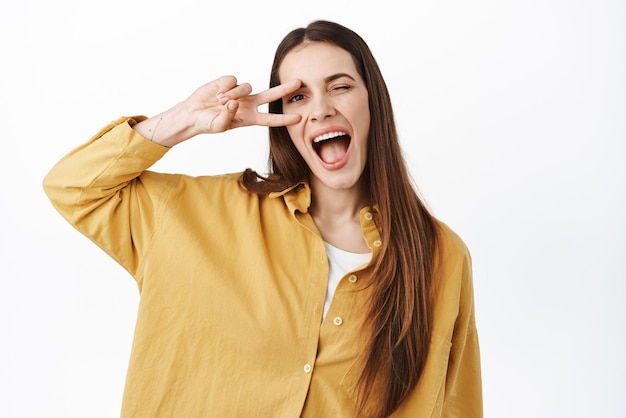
[103, 189]
[464, 381]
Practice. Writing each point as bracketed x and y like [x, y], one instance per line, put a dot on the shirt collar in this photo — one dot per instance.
[297, 197]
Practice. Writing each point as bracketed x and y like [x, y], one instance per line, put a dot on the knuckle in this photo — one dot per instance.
[228, 80]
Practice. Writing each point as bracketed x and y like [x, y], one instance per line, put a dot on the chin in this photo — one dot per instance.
[340, 182]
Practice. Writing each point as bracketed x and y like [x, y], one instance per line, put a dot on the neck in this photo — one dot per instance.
[336, 214]
[339, 204]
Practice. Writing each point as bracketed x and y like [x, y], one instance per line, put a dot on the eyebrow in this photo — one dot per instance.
[333, 78]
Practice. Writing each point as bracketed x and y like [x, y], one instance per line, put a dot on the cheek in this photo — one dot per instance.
[292, 134]
[366, 113]
[365, 123]
[296, 133]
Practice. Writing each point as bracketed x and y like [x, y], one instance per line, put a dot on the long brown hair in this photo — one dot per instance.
[400, 313]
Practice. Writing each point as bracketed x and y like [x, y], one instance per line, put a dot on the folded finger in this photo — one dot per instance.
[235, 92]
[225, 83]
[224, 120]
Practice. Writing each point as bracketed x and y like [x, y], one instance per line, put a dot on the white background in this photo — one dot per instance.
[512, 116]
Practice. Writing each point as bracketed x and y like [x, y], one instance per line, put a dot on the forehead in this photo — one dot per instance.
[316, 60]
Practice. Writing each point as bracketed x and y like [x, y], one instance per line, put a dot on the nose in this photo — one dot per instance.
[321, 108]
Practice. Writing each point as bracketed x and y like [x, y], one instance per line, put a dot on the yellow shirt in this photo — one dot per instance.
[232, 291]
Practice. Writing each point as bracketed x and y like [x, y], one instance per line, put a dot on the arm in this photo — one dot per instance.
[102, 187]
[97, 189]
[463, 381]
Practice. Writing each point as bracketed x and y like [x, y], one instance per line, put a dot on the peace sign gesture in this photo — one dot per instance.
[216, 107]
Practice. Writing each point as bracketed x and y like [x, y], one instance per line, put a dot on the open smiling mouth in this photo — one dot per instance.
[332, 146]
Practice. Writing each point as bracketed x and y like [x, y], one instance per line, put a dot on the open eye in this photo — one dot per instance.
[296, 98]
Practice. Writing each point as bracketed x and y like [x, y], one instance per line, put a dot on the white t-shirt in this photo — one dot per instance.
[340, 263]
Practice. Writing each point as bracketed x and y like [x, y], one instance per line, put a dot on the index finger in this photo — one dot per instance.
[277, 119]
[277, 92]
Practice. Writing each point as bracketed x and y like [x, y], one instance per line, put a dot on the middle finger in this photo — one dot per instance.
[277, 92]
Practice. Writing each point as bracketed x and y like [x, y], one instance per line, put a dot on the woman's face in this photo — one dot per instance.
[333, 102]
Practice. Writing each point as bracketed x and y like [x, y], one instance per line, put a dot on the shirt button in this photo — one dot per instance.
[307, 368]
[338, 320]
[378, 243]
[369, 216]
[352, 278]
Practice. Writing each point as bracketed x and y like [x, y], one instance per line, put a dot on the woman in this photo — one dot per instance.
[325, 289]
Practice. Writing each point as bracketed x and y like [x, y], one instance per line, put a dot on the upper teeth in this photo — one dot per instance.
[328, 135]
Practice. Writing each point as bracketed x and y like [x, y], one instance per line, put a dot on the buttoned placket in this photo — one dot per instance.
[316, 303]
[297, 201]
[348, 283]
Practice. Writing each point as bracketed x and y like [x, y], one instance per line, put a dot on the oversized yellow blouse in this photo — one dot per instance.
[232, 291]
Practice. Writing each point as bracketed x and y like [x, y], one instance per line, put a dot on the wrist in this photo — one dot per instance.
[168, 128]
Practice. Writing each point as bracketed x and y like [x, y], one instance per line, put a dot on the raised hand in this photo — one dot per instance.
[236, 106]
[216, 107]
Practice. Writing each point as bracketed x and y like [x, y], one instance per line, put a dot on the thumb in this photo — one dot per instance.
[232, 106]
[225, 118]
